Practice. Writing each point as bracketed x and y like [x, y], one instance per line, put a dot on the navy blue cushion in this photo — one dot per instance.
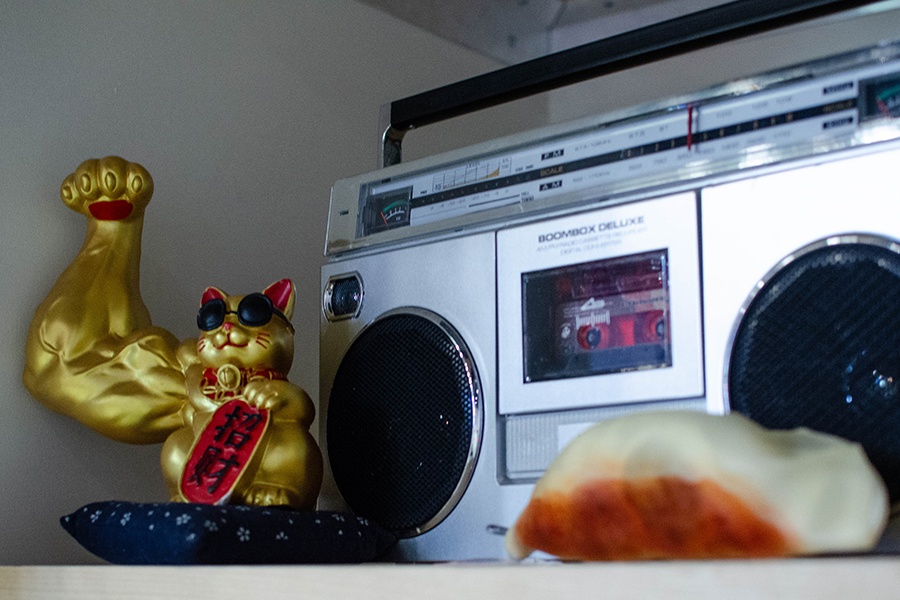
[129, 533]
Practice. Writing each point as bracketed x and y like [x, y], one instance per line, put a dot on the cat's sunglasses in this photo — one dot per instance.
[254, 310]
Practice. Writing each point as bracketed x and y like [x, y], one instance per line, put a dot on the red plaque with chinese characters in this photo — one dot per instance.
[222, 452]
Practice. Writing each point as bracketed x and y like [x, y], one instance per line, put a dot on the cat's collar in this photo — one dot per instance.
[229, 381]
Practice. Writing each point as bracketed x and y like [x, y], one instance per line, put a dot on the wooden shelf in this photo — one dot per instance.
[817, 578]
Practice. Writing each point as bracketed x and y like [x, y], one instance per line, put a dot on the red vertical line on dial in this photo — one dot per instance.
[690, 126]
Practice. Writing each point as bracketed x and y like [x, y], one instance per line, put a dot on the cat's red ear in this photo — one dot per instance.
[281, 293]
[211, 293]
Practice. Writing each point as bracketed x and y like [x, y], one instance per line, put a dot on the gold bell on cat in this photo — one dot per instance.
[229, 377]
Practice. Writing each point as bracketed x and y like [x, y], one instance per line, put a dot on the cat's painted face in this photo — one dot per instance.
[252, 331]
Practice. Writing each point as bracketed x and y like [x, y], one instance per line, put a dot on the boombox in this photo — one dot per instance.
[738, 250]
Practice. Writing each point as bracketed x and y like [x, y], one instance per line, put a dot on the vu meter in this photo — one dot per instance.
[387, 211]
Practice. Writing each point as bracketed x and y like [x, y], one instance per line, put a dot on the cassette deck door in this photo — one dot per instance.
[600, 308]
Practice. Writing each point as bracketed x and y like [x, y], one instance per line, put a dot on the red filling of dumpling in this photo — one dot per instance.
[665, 517]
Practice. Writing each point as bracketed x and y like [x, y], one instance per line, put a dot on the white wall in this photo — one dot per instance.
[569, 35]
[244, 112]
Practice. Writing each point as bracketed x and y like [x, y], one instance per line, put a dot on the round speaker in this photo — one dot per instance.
[404, 421]
[818, 346]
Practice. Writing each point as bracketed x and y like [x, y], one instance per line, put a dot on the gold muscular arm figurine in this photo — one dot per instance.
[92, 352]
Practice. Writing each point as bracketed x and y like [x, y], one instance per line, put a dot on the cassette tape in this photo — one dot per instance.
[607, 316]
[622, 321]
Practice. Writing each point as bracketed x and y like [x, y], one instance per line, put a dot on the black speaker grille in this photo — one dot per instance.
[819, 346]
[401, 420]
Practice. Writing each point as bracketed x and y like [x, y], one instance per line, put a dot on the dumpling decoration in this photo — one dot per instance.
[681, 484]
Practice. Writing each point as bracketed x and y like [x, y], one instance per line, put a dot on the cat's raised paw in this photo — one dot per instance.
[108, 189]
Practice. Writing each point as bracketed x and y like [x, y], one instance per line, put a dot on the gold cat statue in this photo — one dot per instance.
[93, 354]
[238, 397]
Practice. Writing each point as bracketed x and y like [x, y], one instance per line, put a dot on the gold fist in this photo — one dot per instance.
[108, 189]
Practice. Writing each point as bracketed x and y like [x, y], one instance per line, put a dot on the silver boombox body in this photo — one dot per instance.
[736, 250]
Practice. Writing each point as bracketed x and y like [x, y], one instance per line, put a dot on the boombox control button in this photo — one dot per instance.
[343, 296]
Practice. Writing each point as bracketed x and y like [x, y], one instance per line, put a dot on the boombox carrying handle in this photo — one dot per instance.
[634, 48]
